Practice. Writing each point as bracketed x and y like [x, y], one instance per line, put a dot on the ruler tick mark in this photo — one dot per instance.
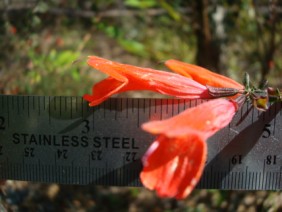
[8, 112]
[81, 107]
[71, 107]
[65, 98]
[44, 103]
[33, 103]
[13, 106]
[76, 104]
[138, 114]
[18, 105]
[28, 106]
[60, 110]
[3, 101]
[38, 103]
[23, 103]
[55, 103]
[49, 109]
[126, 106]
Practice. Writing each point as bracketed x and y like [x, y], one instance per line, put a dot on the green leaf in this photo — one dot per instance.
[171, 11]
[133, 46]
[64, 58]
[246, 81]
[141, 4]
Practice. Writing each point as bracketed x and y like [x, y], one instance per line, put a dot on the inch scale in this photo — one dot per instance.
[60, 139]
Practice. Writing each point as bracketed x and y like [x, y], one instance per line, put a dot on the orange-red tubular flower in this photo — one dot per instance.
[202, 75]
[174, 162]
[127, 77]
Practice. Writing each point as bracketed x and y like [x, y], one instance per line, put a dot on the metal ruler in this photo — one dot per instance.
[61, 139]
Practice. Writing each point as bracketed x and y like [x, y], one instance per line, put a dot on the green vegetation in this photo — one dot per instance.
[41, 41]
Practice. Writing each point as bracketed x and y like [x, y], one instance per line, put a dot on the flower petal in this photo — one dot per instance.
[103, 90]
[174, 162]
[207, 118]
[127, 77]
[202, 75]
[174, 168]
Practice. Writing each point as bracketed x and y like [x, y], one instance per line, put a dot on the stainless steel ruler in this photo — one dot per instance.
[60, 139]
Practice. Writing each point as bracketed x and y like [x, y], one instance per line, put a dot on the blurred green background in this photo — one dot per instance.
[44, 46]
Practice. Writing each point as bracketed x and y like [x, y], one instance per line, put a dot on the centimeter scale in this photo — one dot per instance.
[60, 139]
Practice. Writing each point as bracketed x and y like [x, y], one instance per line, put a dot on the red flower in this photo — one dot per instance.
[127, 78]
[174, 162]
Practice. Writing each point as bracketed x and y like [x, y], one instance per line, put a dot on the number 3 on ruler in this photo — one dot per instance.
[2, 123]
[86, 127]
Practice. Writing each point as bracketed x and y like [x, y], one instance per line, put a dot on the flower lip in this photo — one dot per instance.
[202, 75]
[194, 120]
[175, 161]
[175, 175]
[123, 77]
